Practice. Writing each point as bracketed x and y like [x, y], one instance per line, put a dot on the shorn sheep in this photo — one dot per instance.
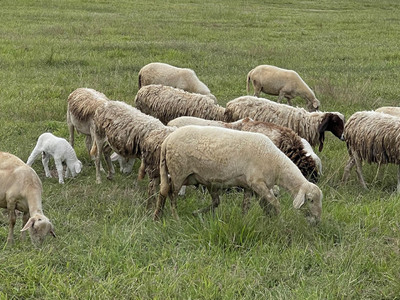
[82, 103]
[219, 157]
[308, 125]
[131, 134]
[181, 78]
[372, 137]
[281, 82]
[21, 189]
[167, 103]
[284, 138]
[58, 148]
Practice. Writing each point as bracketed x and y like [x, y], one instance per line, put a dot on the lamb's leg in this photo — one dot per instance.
[12, 220]
[45, 162]
[60, 170]
[35, 152]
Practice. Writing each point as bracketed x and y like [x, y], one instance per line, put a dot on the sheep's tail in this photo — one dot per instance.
[248, 82]
[93, 151]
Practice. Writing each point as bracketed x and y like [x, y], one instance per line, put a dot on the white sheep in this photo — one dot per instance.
[391, 110]
[281, 82]
[372, 137]
[167, 103]
[21, 189]
[181, 78]
[308, 125]
[58, 148]
[219, 157]
[296, 148]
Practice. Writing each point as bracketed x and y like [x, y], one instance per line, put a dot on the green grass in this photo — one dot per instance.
[107, 246]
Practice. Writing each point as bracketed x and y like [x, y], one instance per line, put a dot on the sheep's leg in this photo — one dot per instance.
[359, 172]
[35, 152]
[162, 196]
[281, 96]
[246, 200]
[142, 170]
[45, 162]
[107, 156]
[88, 143]
[268, 201]
[25, 219]
[60, 170]
[152, 191]
[350, 164]
[214, 204]
[12, 217]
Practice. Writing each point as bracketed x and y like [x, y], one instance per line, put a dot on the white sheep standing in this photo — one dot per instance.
[167, 103]
[281, 82]
[58, 148]
[219, 157]
[181, 78]
[308, 125]
[372, 137]
[21, 189]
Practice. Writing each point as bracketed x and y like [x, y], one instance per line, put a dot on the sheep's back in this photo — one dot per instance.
[83, 102]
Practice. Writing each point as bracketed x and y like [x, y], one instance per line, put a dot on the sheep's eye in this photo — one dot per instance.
[39, 219]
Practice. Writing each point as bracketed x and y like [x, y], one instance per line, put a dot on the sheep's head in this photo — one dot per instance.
[309, 199]
[313, 105]
[39, 227]
[77, 167]
[333, 122]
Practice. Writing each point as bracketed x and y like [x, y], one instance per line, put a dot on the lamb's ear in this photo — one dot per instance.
[299, 200]
[78, 167]
[29, 224]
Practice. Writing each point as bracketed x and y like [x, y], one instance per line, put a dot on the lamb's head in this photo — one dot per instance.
[309, 199]
[77, 168]
[39, 227]
[333, 122]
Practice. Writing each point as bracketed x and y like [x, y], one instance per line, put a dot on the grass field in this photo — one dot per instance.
[107, 246]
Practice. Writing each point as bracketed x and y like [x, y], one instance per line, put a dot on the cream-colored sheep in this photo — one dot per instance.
[372, 137]
[181, 78]
[167, 103]
[284, 138]
[391, 110]
[281, 82]
[21, 189]
[219, 157]
[309, 125]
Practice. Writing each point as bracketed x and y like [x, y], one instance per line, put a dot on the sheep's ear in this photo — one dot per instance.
[316, 104]
[29, 224]
[299, 200]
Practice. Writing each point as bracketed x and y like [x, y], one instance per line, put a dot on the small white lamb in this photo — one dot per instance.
[281, 82]
[50, 145]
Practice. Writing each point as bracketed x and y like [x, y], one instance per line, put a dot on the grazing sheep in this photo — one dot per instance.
[281, 82]
[391, 110]
[131, 134]
[284, 138]
[58, 148]
[167, 103]
[219, 157]
[372, 137]
[181, 78]
[82, 103]
[21, 189]
[309, 125]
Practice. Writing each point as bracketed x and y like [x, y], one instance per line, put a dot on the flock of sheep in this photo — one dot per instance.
[183, 137]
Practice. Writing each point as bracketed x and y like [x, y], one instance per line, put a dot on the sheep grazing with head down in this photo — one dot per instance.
[130, 133]
[308, 125]
[58, 148]
[167, 103]
[281, 82]
[284, 138]
[219, 157]
[181, 78]
[82, 103]
[372, 137]
[21, 189]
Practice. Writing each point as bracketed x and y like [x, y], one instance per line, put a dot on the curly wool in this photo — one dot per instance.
[374, 137]
[167, 103]
[83, 102]
[132, 133]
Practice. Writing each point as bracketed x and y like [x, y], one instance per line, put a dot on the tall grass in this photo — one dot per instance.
[107, 246]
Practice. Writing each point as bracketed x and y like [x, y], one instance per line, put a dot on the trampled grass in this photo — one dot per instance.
[107, 246]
